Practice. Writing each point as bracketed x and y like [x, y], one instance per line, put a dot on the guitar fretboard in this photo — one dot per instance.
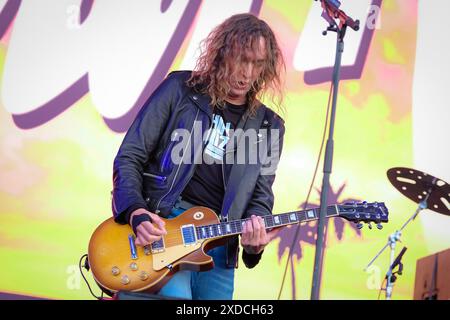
[236, 226]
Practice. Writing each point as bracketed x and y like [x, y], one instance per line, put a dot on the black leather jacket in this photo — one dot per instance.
[144, 176]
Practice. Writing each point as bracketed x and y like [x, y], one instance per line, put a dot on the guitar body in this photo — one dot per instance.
[114, 268]
[118, 264]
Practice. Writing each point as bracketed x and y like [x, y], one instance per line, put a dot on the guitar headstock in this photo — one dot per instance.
[359, 212]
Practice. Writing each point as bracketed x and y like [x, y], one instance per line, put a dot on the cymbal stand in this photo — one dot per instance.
[392, 241]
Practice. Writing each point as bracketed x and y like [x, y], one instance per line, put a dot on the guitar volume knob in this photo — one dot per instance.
[125, 280]
[133, 266]
[143, 275]
[115, 271]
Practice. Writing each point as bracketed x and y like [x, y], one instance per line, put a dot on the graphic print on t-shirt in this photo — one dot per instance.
[218, 138]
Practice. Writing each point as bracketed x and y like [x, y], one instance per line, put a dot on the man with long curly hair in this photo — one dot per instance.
[240, 63]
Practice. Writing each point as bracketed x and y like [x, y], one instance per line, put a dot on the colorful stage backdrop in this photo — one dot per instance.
[74, 74]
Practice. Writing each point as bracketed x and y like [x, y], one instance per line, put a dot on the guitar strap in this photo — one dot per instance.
[234, 173]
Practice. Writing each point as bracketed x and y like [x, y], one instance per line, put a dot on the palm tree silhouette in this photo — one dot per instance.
[308, 233]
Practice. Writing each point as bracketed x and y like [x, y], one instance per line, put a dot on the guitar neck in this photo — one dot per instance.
[235, 227]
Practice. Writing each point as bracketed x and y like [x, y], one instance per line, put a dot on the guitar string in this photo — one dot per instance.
[174, 236]
[301, 215]
[233, 225]
[284, 215]
[177, 233]
[236, 223]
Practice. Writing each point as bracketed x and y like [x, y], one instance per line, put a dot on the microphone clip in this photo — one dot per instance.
[331, 13]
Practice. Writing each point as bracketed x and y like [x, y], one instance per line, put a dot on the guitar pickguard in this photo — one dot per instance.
[171, 254]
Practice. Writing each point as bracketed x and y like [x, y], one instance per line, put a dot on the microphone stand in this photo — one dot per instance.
[392, 241]
[330, 10]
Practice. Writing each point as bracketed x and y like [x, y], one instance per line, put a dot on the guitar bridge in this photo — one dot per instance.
[157, 246]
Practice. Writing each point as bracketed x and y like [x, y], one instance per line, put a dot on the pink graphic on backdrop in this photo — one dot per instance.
[7, 15]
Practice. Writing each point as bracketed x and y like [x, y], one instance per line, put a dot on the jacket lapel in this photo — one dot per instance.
[234, 173]
[202, 101]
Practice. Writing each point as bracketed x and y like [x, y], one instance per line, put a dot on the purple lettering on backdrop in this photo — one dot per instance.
[85, 9]
[65, 99]
[54, 107]
[78, 89]
[165, 4]
[123, 123]
[68, 97]
[256, 7]
[7, 15]
[354, 71]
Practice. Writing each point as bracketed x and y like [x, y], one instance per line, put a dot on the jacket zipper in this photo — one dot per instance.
[167, 152]
[178, 169]
[155, 176]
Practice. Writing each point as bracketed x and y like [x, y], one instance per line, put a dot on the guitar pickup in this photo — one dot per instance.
[157, 246]
[189, 235]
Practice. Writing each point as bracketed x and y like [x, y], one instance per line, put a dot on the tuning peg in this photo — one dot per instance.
[370, 225]
[359, 225]
[379, 226]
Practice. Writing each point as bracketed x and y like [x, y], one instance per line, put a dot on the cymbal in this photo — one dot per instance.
[416, 185]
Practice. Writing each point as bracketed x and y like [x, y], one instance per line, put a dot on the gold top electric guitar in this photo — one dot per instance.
[118, 264]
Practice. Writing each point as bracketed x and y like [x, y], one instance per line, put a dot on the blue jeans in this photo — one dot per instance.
[215, 284]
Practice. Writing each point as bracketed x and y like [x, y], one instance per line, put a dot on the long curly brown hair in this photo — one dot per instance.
[225, 47]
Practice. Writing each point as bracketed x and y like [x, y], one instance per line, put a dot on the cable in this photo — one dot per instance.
[297, 230]
[381, 288]
[85, 280]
